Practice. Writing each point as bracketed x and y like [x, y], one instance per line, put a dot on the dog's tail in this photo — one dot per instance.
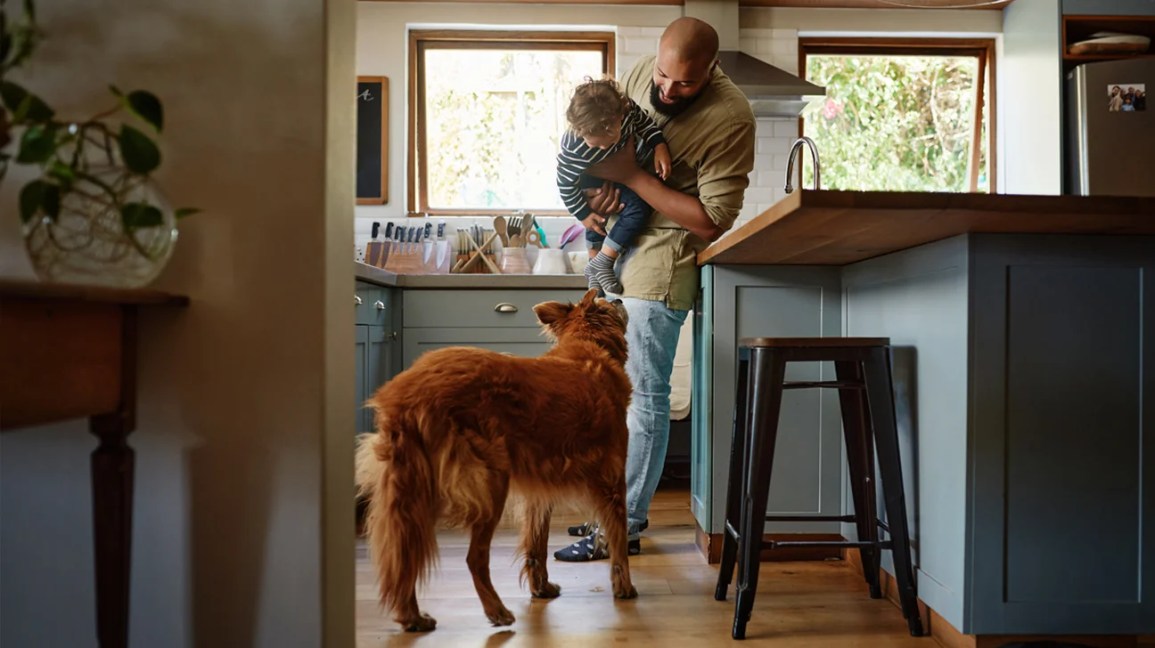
[394, 473]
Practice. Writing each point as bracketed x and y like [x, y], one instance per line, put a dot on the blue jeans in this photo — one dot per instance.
[652, 336]
[631, 219]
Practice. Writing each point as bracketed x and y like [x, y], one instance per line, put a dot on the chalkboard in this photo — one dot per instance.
[372, 140]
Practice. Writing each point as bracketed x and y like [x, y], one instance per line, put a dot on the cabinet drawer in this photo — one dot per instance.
[373, 304]
[478, 308]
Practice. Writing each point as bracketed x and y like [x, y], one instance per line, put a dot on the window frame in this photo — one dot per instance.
[981, 48]
[421, 40]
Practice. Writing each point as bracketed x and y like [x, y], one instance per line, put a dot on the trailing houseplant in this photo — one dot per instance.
[93, 215]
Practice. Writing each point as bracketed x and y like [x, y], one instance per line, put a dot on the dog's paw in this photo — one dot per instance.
[423, 623]
[550, 590]
[630, 593]
[502, 617]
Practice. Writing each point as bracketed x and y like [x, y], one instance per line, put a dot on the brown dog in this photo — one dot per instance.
[462, 427]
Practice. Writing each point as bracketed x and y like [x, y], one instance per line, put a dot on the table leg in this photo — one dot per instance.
[113, 465]
[112, 472]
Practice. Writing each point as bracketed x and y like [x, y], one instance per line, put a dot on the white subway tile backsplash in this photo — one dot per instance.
[637, 46]
[787, 128]
[789, 63]
[784, 47]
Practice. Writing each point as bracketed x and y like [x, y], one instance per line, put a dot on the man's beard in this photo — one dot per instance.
[669, 110]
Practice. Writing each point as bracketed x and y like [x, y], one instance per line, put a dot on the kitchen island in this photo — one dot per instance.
[1023, 330]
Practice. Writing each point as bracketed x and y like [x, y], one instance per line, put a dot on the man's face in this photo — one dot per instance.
[677, 82]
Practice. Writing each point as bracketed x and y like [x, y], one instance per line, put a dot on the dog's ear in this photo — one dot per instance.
[590, 297]
[550, 312]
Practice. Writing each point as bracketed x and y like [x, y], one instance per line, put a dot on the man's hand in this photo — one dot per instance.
[595, 222]
[605, 200]
[620, 167]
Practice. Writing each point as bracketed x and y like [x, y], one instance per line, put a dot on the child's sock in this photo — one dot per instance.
[601, 269]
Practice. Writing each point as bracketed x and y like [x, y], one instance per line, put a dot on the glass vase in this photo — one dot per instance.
[88, 243]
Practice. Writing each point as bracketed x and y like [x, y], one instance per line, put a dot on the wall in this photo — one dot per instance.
[241, 394]
[1030, 99]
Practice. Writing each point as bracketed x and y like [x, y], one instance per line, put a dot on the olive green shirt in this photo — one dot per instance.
[712, 146]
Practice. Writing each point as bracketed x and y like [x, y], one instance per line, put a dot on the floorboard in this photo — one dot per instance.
[798, 604]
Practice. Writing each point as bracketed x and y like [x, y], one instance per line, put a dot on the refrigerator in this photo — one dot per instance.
[1111, 128]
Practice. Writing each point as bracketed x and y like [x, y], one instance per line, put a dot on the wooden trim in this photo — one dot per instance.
[895, 46]
[993, 121]
[710, 544]
[977, 124]
[384, 197]
[71, 292]
[421, 40]
[411, 183]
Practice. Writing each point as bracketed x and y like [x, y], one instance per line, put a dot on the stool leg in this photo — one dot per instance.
[880, 395]
[768, 370]
[736, 481]
[858, 449]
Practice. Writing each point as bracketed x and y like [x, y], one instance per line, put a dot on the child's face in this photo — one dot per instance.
[604, 140]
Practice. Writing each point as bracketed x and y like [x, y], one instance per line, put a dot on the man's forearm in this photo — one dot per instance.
[683, 209]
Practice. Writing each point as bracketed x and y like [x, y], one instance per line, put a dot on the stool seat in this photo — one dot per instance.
[813, 342]
[865, 394]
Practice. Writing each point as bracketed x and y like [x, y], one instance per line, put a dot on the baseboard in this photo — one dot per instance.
[950, 637]
[710, 544]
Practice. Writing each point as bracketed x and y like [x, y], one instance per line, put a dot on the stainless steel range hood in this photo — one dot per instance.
[773, 92]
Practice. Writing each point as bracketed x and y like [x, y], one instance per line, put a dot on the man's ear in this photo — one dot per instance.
[550, 312]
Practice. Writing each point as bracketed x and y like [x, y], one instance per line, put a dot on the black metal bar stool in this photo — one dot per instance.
[863, 381]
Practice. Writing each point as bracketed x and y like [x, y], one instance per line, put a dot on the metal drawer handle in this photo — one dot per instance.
[505, 307]
[379, 305]
[356, 300]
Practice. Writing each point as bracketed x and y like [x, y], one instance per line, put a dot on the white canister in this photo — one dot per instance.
[551, 261]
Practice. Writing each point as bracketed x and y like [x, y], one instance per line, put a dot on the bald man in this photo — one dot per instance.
[709, 127]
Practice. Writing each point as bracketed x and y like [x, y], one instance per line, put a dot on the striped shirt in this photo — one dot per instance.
[576, 157]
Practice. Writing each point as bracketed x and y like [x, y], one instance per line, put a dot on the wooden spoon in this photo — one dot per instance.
[499, 227]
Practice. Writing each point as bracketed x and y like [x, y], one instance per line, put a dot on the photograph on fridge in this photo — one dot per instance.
[1126, 97]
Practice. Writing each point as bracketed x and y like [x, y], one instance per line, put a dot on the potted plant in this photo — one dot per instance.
[93, 214]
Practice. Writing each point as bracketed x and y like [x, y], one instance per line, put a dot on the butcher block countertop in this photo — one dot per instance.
[841, 227]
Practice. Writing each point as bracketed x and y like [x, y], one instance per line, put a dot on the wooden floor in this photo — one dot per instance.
[798, 604]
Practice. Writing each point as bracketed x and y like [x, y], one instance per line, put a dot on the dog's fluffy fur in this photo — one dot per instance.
[462, 427]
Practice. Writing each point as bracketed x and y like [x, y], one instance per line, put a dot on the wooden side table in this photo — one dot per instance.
[70, 352]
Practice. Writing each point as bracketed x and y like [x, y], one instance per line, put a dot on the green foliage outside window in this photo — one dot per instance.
[493, 133]
[895, 123]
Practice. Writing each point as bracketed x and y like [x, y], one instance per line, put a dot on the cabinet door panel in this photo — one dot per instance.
[527, 342]
[479, 308]
[360, 360]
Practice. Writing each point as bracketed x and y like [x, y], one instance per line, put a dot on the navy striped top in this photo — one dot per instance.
[575, 156]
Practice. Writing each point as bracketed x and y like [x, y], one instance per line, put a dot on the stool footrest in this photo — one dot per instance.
[827, 384]
[810, 518]
[732, 531]
[845, 544]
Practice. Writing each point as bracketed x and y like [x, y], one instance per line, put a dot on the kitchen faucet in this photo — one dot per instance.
[794, 149]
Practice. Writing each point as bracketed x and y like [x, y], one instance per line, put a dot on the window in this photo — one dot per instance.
[902, 115]
[487, 114]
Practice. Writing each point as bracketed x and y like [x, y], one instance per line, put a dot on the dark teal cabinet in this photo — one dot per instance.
[377, 358]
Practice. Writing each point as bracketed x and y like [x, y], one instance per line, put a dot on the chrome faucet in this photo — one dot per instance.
[794, 148]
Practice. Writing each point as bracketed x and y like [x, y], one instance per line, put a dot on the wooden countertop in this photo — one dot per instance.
[841, 227]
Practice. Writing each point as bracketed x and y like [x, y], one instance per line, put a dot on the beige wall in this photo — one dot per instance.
[243, 395]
